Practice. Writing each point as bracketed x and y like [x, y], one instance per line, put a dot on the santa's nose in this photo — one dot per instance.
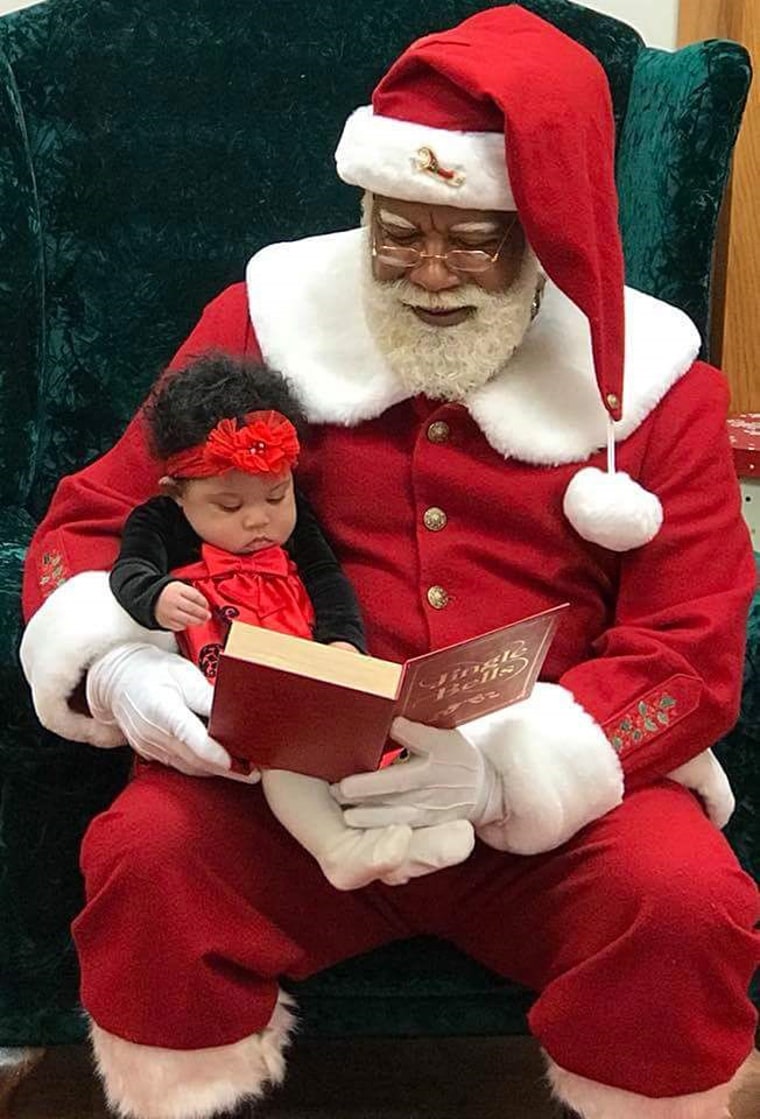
[433, 274]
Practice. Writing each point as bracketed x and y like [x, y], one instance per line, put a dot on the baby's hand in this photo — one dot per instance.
[344, 645]
[179, 606]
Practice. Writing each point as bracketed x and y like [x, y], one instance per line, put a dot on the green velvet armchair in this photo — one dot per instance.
[147, 149]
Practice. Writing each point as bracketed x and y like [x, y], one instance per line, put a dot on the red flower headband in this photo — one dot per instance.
[267, 443]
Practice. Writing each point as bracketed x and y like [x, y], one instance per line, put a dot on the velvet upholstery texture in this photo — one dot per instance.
[147, 149]
[672, 167]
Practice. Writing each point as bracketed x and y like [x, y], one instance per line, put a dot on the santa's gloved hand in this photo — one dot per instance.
[706, 777]
[527, 777]
[444, 777]
[155, 698]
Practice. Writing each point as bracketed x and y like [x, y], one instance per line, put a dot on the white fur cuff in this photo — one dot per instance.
[557, 770]
[79, 622]
[143, 1082]
[599, 1101]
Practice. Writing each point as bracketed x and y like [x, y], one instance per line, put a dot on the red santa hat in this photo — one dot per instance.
[504, 112]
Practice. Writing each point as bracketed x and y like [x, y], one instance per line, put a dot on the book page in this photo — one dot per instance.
[310, 659]
[461, 682]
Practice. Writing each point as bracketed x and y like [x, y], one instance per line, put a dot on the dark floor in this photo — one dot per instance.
[450, 1078]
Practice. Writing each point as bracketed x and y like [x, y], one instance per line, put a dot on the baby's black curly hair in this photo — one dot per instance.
[188, 403]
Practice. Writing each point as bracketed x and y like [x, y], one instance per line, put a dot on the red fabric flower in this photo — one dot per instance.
[267, 443]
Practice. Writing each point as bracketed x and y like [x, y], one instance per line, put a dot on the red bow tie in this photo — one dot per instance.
[269, 561]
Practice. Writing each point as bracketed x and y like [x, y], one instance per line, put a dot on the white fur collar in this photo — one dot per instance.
[304, 300]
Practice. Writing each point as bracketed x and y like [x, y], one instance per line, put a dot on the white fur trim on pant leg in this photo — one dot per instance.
[143, 1082]
[79, 622]
[599, 1101]
[557, 770]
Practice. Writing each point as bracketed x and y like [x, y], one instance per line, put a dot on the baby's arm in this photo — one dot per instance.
[338, 618]
[154, 537]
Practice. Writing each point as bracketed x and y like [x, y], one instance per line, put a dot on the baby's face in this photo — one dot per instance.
[240, 512]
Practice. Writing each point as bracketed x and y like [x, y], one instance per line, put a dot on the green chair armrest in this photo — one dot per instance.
[16, 528]
[21, 294]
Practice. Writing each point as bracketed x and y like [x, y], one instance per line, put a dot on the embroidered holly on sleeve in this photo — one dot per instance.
[653, 713]
[52, 572]
[647, 720]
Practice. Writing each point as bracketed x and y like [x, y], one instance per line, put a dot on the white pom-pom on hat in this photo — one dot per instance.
[611, 509]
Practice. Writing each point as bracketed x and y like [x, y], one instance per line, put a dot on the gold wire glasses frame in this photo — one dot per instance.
[458, 260]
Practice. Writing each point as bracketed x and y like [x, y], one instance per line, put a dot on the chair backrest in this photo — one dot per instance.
[148, 149]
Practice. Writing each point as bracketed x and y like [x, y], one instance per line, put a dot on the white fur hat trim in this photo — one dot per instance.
[385, 155]
[611, 509]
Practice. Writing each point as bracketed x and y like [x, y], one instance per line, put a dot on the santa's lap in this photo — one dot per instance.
[635, 933]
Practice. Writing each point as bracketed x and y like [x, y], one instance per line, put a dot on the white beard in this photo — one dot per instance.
[448, 362]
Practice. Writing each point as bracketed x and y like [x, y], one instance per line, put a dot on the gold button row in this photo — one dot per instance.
[434, 518]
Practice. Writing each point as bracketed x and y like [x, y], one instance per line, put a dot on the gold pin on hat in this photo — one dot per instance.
[426, 160]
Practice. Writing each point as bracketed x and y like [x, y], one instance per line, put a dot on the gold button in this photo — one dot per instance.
[612, 400]
[438, 432]
[434, 518]
[437, 597]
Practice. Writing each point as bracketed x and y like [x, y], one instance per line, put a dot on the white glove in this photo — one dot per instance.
[706, 777]
[156, 698]
[445, 778]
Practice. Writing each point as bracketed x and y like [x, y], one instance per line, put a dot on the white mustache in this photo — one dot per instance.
[469, 296]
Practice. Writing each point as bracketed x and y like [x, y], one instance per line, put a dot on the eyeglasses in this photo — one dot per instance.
[458, 260]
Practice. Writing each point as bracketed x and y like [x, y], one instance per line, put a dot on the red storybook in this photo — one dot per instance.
[281, 702]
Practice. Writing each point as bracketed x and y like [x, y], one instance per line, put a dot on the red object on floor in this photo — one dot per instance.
[744, 433]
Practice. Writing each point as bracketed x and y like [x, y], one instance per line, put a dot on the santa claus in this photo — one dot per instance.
[462, 358]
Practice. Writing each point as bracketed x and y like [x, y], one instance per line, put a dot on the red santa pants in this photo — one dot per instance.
[637, 934]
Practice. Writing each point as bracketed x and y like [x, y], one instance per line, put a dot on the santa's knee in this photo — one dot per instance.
[686, 909]
[650, 997]
[158, 836]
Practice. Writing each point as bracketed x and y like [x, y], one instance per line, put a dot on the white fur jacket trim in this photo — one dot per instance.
[305, 305]
[76, 625]
[141, 1080]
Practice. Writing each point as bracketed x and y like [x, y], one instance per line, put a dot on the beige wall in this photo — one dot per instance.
[13, 5]
[654, 19]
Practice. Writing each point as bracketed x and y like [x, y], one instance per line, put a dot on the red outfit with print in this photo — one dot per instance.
[262, 588]
[637, 933]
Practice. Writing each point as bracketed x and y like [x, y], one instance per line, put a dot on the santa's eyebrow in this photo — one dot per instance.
[475, 227]
[387, 217]
[484, 228]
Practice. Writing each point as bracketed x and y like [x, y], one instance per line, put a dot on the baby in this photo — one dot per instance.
[231, 537]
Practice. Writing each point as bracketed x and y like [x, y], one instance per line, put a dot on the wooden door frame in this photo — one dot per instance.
[735, 325]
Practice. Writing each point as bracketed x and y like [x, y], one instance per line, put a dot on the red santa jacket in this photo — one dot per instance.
[448, 517]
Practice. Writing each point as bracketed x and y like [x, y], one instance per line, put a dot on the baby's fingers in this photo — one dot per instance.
[193, 606]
